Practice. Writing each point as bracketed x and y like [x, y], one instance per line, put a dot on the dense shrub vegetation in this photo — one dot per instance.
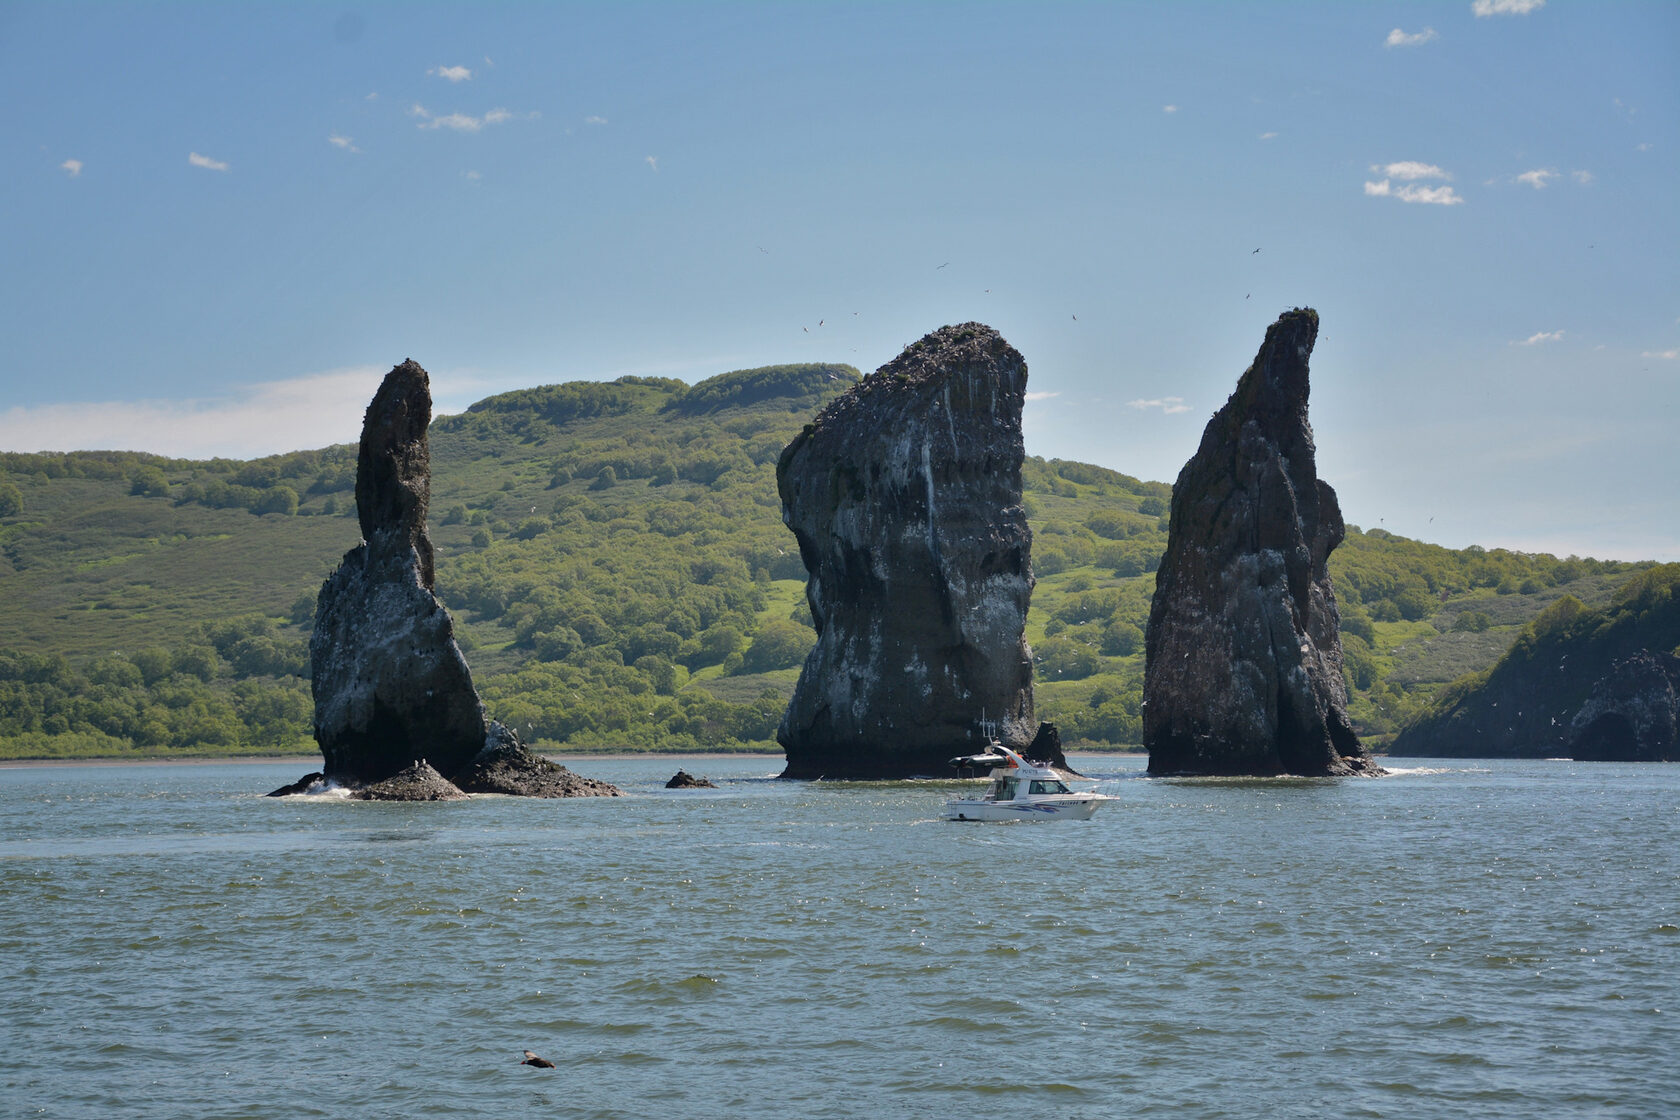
[615, 559]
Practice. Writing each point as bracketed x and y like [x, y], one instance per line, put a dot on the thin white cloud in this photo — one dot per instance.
[594, 120]
[451, 73]
[1645, 147]
[1399, 38]
[1167, 405]
[1268, 136]
[264, 419]
[72, 167]
[344, 142]
[1538, 337]
[1582, 177]
[459, 122]
[1666, 355]
[652, 161]
[463, 122]
[1169, 108]
[1538, 178]
[1412, 192]
[1410, 169]
[1041, 396]
[1486, 8]
[472, 176]
[206, 162]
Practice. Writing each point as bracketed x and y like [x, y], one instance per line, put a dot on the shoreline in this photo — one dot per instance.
[315, 759]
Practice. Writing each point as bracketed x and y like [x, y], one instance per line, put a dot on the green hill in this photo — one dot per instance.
[614, 555]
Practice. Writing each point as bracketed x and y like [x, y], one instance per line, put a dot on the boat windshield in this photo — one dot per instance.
[1048, 785]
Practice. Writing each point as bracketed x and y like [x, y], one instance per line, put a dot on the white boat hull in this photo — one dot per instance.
[1077, 807]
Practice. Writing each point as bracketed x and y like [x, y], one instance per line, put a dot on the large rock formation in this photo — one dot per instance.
[1633, 714]
[395, 706]
[1526, 705]
[905, 498]
[390, 683]
[1243, 670]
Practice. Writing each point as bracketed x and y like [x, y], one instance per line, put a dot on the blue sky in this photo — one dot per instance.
[221, 223]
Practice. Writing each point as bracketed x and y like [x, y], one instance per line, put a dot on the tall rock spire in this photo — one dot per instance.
[391, 686]
[905, 498]
[1243, 673]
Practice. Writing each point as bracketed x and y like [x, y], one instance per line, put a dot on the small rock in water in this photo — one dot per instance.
[309, 783]
[684, 780]
[419, 782]
[506, 765]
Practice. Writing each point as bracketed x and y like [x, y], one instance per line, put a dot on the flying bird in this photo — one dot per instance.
[942, 266]
[532, 1060]
[1255, 251]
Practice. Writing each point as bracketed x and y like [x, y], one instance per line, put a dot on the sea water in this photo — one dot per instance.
[1460, 939]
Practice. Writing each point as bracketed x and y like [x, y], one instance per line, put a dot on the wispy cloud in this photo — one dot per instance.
[1486, 8]
[1412, 192]
[1041, 396]
[452, 73]
[594, 120]
[1539, 337]
[471, 176]
[462, 122]
[263, 419]
[344, 142]
[206, 162]
[1167, 405]
[1399, 38]
[1645, 147]
[1582, 177]
[1169, 108]
[1268, 136]
[652, 161]
[72, 167]
[1409, 190]
[1410, 169]
[1665, 355]
[1538, 178]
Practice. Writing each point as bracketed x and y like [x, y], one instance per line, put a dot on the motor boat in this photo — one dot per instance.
[1021, 791]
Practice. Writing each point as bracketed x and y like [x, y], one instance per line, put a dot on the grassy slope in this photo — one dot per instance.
[530, 542]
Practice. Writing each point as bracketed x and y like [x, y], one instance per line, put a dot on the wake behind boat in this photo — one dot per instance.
[1020, 791]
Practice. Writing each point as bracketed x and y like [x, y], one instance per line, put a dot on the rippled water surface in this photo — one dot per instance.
[1459, 939]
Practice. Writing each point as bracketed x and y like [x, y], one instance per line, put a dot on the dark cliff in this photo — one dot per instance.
[1525, 706]
[1243, 665]
[905, 498]
[1633, 714]
[390, 684]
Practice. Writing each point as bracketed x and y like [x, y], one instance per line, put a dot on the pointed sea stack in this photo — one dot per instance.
[390, 683]
[905, 498]
[1243, 670]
